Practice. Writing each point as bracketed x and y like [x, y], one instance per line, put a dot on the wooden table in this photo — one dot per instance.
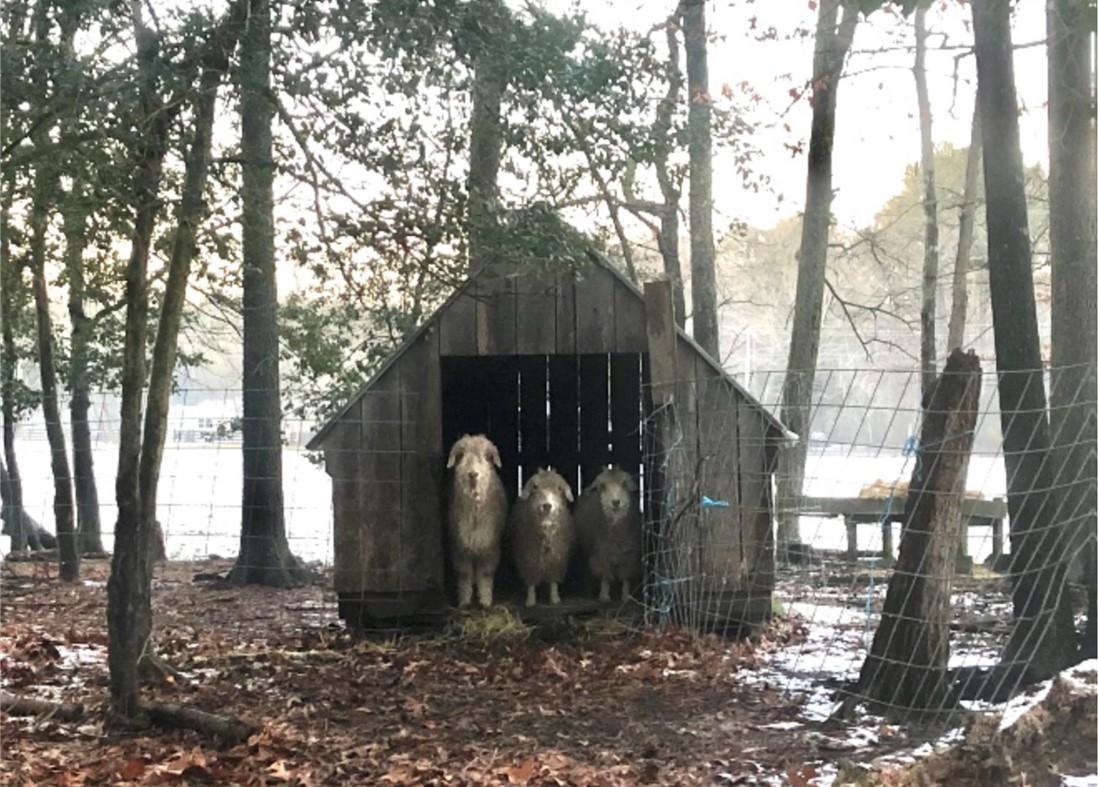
[975, 512]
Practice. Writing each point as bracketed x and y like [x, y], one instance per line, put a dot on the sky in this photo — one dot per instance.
[877, 129]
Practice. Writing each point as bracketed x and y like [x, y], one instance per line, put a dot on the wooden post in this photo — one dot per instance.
[907, 664]
[886, 542]
[851, 538]
[996, 540]
[660, 324]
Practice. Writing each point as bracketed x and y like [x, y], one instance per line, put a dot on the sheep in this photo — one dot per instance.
[478, 513]
[543, 533]
[609, 526]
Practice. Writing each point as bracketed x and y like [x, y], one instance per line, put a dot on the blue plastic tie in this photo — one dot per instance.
[707, 502]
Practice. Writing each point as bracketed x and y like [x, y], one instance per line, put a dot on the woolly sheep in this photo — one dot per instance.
[478, 513]
[609, 526]
[543, 533]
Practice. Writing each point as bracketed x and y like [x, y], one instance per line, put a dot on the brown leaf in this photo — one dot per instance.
[521, 773]
[278, 770]
[132, 770]
[801, 777]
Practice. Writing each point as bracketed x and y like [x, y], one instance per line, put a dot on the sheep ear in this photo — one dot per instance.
[495, 456]
[568, 492]
[455, 454]
[630, 483]
[525, 491]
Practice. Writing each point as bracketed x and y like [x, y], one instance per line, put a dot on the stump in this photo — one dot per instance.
[906, 666]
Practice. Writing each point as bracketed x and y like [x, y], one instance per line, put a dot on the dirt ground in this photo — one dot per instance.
[484, 704]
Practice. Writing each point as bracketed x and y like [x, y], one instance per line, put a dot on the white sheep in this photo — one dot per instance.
[609, 526]
[543, 533]
[478, 513]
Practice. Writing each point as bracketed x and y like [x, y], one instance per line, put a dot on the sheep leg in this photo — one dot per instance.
[465, 585]
[625, 590]
[604, 590]
[484, 588]
[554, 593]
[531, 595]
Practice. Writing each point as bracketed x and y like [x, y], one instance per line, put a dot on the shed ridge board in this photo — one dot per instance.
[468, 288]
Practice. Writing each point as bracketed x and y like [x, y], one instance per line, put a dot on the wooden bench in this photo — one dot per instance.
[975, 512]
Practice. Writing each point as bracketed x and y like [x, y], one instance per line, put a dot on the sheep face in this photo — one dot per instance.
[616, 489]
[472, 459]
[546, 494]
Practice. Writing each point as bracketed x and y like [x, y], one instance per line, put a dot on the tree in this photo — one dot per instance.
[1042, 638]
[907, 663]
[927, 354]
[1072, 390]
[833, 39]
[264, 556]
[485, 151]
[958, 313]
[703, 277]
[43, 198]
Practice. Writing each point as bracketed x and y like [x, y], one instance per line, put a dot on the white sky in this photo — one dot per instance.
[877, 132]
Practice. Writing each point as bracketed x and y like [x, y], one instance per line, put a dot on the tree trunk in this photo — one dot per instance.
[129, 589]
[43, 199]
[703, 255]
[1073, 390]
[189, 215]
[965, 231]
[485, 153]
[668, 238]
[833, 38]
[1043, 636]
[906, 666]
[9, 280]
[927, 353]
[89, 539]
[264, 552]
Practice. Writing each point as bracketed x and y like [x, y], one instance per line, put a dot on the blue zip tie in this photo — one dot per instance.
[706, 502]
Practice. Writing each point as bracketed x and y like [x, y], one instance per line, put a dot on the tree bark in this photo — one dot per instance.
[485, 153]
[668, 238]
[264, 551]
[43, 198]
[129, 589]
[14, 705]
[906, 666]
[703, 255]
[1073, 389]
[1042, 637]
[833, 38]
[927, 351]
[89, 538]
[965, 231]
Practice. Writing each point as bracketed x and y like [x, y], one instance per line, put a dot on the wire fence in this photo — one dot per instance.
[723, 547]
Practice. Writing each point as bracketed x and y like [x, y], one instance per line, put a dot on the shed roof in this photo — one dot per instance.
[597, 261]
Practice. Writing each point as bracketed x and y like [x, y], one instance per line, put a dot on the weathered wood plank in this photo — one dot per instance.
[756, 457]
[342, 455]
[420, 558]
[380, 479]
[564, 415]
[662, 339]
[566, 314]
[594, 410]
[594, 311]
[630, 333]
[458, 324]
[718, 443]
[495, 315]
[536, 319]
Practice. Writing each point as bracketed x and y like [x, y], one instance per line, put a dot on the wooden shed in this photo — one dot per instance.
[557, 370]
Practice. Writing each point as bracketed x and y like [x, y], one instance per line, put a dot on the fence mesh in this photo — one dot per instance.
[715, 556]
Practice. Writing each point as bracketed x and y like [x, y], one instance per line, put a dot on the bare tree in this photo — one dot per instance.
[927, 353]
[1042, 638]
[703, 255]
[966, 227]
[485, 152]
[833, 39]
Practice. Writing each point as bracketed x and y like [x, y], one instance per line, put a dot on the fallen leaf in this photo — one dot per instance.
[132, 770]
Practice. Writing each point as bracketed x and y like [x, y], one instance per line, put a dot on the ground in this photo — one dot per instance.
[603, 704]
